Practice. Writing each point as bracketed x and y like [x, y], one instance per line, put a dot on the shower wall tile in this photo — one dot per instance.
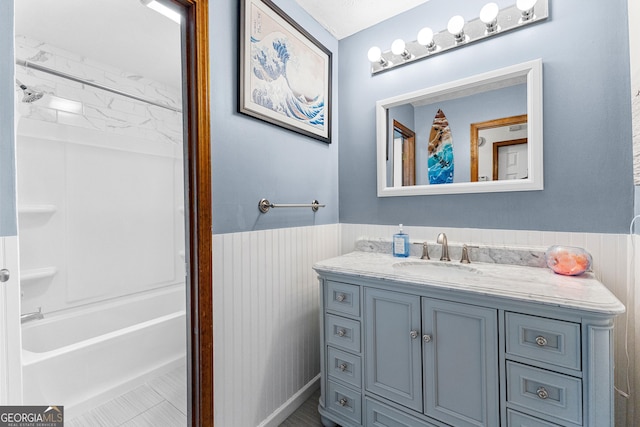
[102, 110]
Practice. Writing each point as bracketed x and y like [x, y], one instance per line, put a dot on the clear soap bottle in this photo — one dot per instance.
[400, 244]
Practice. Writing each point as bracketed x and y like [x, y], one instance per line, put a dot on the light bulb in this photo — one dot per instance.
[489, 13]
[397, 47]
[425, 36]
[525, 5]
[455, 25]
[374, 54]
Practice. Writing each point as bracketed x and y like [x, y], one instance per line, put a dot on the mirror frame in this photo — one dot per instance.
[530, 71]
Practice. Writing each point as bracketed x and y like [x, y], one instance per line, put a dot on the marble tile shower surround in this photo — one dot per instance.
[96, 109]
[529, 257]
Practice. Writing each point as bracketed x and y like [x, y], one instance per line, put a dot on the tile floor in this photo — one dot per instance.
[160, 402]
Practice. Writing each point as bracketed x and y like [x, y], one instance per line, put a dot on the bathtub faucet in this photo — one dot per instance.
[36, 315]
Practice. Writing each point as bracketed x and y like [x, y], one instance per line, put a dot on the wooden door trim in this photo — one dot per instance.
[489, 124]
[195, 54]
[496, 147]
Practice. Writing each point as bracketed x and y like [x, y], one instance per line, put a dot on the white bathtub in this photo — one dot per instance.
[84, 357]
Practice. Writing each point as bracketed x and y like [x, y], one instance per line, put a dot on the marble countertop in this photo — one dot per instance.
[517, 282]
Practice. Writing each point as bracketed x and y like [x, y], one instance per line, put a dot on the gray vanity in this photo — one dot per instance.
[407, 342]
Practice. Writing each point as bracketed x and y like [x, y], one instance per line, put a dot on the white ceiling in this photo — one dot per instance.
[129, 36]
[343, 18]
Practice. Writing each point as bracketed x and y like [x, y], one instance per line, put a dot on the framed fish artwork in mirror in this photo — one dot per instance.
[285, 73]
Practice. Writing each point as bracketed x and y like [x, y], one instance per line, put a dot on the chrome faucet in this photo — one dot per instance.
[442, 239]
[35, 315]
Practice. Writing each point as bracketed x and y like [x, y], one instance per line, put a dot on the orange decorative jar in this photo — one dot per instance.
[568, 260]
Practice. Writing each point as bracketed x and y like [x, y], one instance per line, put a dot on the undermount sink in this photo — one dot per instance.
[425, 268]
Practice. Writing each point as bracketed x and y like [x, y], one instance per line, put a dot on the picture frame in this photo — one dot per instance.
[285, 73]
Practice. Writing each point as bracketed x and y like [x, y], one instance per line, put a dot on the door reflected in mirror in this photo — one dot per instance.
[499, 149]
[404, 156]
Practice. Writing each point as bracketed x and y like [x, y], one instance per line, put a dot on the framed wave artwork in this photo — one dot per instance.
[285, 73]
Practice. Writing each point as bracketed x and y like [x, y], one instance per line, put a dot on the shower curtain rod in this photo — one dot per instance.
[44, 69]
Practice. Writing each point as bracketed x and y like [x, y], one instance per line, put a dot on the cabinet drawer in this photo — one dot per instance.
[379, 415]
[344, 366]
[344, 401]
[516, 419]
[343, 298]
[546, 340]
[548, 392]
[343, 333]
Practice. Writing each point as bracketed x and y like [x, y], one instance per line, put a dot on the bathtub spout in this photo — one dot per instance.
[36, 315]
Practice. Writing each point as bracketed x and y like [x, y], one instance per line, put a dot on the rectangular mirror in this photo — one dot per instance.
[478, 134]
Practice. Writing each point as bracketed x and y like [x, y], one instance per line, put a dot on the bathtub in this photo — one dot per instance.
[84, 357]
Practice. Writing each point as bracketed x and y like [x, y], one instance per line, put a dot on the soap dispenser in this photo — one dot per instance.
[400, 244]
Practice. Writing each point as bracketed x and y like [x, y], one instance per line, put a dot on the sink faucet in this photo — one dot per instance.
[35, 315]
[442, 239]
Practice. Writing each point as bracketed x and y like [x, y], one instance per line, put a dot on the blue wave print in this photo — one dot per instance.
[441, 165]
[272, 90]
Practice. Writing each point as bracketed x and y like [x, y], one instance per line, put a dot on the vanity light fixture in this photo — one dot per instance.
[527, 9]
[456, 28]
[163, 10]
[375, 56]
[398, 47]
[489, 15]
[425, 38]
[491, 21]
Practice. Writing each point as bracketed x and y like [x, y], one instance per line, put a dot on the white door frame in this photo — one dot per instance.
[10, 337]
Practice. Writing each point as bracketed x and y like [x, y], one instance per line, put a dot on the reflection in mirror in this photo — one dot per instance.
[403, 155]
[514, 91]
[499, 149]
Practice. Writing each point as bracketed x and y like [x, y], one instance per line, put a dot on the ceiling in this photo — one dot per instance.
[354, 15]
[131, 37]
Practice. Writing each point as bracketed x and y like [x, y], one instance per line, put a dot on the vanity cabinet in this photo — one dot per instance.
[397, 351]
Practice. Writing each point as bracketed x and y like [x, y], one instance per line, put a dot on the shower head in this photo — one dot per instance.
[30, 95]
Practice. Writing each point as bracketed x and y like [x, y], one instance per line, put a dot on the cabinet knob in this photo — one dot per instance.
[342, 367]
[340, 297]
[542, 393]
[343, 402]
[541, 341]
[341, 332]
[414, 334]
[426, 338]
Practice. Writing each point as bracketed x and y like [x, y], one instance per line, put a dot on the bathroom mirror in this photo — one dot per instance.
[492, 97]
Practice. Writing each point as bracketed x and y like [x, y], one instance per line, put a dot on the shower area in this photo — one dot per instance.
[101, 225]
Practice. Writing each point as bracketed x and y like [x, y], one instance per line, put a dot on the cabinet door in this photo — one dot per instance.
[460, 350]
[393, 363]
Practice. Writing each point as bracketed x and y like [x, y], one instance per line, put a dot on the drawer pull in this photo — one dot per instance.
[342, 367]
[426, 338]
[414, 334]
[541, 341]
[340, 297]
[341, 332]
[343, 402]
[542, 393]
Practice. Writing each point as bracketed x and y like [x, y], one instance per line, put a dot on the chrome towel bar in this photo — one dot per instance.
[264, 205]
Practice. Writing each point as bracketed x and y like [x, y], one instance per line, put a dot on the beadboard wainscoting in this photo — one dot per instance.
[266, 346]
[614, 263]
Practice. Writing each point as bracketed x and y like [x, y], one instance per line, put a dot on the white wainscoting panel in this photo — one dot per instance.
[266, 335]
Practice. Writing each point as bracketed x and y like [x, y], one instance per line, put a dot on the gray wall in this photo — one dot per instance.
[252, 159]
[8, 225]
[587, 119]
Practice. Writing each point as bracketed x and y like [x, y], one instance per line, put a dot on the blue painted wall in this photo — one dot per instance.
[587, 119]
[8, 223]
[252, 159]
